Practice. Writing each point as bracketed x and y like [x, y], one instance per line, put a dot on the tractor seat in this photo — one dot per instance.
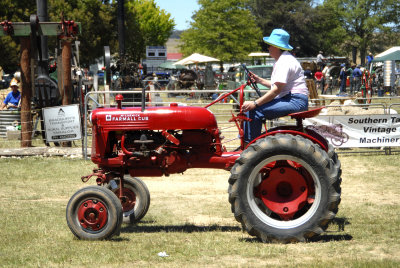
[306, 114]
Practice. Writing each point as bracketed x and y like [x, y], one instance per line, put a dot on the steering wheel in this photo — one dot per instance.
[252, 84]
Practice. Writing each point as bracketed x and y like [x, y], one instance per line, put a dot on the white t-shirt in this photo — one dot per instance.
[288, 70]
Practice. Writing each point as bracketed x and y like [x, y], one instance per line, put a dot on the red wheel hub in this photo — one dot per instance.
[92, 214]
[284, 191]
[129, 199]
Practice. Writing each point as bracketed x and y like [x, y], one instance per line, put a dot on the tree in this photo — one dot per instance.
[98, 21]
[224, 29]
[307, 25]
[364, 19]
[146, 25]
[13, 11]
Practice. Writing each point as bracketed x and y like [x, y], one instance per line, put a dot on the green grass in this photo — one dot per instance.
[190, 219]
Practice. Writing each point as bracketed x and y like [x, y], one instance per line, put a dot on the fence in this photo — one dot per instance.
[222, 111]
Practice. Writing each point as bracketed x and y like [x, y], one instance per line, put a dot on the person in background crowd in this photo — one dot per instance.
[308, 73]
[321, 60]
[343, 79]
[326, 78]
[319, 77]
[370, 57]
[289, 92]
[357, 74]
[12, 100]
[351, 78]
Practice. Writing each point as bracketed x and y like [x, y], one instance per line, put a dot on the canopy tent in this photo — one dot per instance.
[395, 55]
[171, 66]
[195, 59]
[390, 54]
[259, 54]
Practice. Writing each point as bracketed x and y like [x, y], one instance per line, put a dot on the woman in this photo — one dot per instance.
[289, 92]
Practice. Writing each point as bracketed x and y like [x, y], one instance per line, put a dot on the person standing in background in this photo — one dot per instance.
[343, 79]
[370, 58]
[357, 74]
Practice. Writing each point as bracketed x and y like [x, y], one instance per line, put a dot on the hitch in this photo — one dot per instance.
[101, 176]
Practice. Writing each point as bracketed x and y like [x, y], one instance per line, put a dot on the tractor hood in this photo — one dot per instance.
[154, 118]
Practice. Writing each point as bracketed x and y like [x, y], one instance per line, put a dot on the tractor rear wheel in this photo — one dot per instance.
[285, 188]
[94, 213]
[136, 201]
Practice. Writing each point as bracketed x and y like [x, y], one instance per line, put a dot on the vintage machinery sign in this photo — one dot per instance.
[358, 130]
[62, 123]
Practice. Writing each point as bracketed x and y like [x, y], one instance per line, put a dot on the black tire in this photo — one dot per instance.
[138, 197]
[284, 188]
[335, 171]
[94, 213]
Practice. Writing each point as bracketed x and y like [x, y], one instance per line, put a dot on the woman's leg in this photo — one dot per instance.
[271, 110]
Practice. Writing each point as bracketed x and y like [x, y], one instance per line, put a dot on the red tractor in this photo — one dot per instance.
[284, 186]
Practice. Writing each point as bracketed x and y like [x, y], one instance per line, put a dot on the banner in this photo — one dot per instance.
[358, 130]
[62, 123]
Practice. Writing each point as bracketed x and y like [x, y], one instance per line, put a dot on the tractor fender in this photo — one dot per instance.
[310, 135]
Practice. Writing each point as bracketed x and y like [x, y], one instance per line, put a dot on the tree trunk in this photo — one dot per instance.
[354, 54]
[363, 50]
[26, 93]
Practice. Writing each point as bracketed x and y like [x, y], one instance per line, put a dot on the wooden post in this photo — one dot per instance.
[66, 69]
[26, 92]
[66, 77]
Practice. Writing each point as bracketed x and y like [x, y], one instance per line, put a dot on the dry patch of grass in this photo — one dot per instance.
[190, 219]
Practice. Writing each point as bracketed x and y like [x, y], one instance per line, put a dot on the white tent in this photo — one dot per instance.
[195, 59]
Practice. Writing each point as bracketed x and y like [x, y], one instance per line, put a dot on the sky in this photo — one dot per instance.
[180, 10]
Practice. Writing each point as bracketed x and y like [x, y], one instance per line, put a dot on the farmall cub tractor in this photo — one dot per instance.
[284, 186]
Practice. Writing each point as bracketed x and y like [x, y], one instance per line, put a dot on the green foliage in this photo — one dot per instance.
[305, 24]
[98, 25]
[147, 25]
[224, 29]
[12, 11]
[329, 34]
[364, 20]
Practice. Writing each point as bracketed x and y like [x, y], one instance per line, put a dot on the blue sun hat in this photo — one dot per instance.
[279, 38]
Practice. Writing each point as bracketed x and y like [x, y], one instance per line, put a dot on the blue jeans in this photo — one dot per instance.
[343, 85]
[291, 103]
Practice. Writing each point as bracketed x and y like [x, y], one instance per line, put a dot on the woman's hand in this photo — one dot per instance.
[254, 78]
[248, 105]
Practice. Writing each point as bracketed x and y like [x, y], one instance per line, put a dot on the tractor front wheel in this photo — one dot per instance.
[136, 197]
[94, 213]
[284, 188]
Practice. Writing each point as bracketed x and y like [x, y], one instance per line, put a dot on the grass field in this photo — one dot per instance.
[190, 219]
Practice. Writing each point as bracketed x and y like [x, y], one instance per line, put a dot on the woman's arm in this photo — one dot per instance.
[262, 81]
[267, 97]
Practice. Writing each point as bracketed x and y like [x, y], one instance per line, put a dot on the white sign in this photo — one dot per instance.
[358, 130]
[62, 123]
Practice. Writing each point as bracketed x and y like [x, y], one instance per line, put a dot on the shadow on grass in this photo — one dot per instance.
[321, 238]
[191, 228]
[186, 228]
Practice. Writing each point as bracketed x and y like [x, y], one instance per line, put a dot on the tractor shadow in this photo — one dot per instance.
[186, 228]
[144, 227]
[327, 237]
